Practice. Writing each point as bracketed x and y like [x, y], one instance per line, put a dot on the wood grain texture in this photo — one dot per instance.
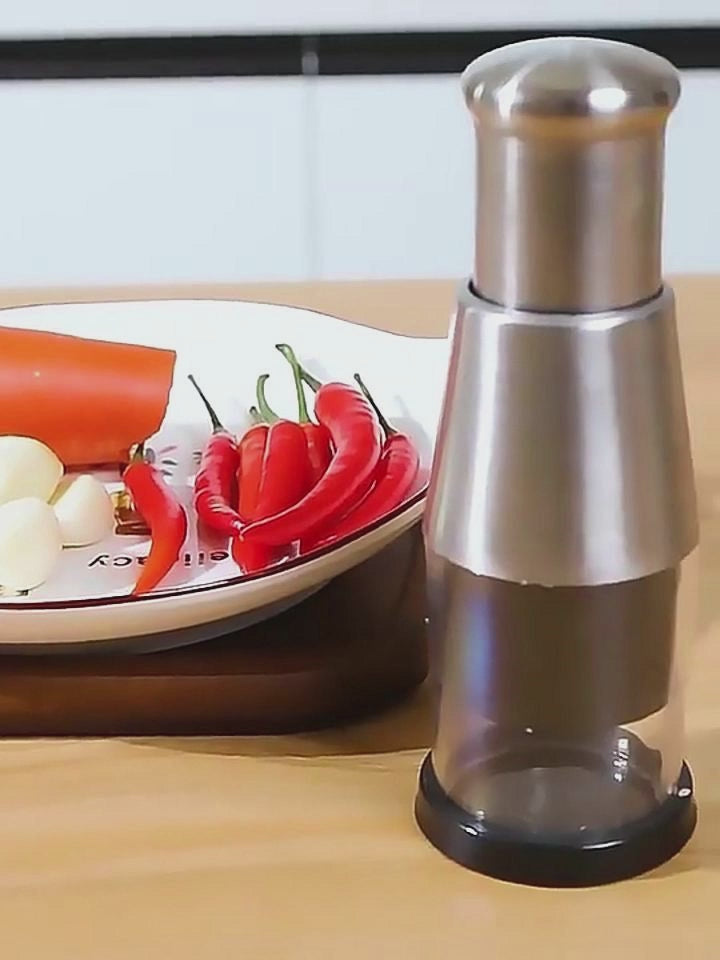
[305, 847]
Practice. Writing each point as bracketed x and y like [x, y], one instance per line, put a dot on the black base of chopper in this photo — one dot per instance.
[508, 854]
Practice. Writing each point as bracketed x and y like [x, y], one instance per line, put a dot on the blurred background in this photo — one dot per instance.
[152, 141]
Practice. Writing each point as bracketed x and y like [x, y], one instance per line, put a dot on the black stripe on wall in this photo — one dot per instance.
[107, 57]
[686, 47]
[373, 54]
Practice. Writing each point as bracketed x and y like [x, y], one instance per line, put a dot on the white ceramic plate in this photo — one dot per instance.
[226, 345]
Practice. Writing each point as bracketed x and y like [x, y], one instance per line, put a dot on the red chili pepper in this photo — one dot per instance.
[163, 513]
[394, 478]
[277, 475]
[251, 451]
[356, 436]
[216, 479]
[285, 476]
[317, 435]
[251, 557]
[284, 480]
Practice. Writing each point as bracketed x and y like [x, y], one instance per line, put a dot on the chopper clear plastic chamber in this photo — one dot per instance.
[560, 708]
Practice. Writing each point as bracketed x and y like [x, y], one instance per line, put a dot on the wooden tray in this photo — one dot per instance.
[356, 646]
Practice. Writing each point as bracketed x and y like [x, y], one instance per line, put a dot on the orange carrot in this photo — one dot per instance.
[88, 400]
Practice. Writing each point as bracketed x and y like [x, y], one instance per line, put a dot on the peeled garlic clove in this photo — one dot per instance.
[30, 543]
[84, 510]
[28, 468]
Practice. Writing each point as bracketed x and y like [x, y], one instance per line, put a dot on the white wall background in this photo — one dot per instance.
[127, 181]
[34, 18]
[132, 181]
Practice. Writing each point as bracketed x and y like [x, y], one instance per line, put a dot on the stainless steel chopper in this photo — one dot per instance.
[561, 523]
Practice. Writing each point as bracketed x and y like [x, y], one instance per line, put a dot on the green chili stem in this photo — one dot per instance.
[289, 354]
[266, 411]
[389, 431]
[310, 380]
[214, 419]
[287, 351]
[255, 415]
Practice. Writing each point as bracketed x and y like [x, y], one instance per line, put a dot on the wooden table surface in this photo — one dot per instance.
[305, 847]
